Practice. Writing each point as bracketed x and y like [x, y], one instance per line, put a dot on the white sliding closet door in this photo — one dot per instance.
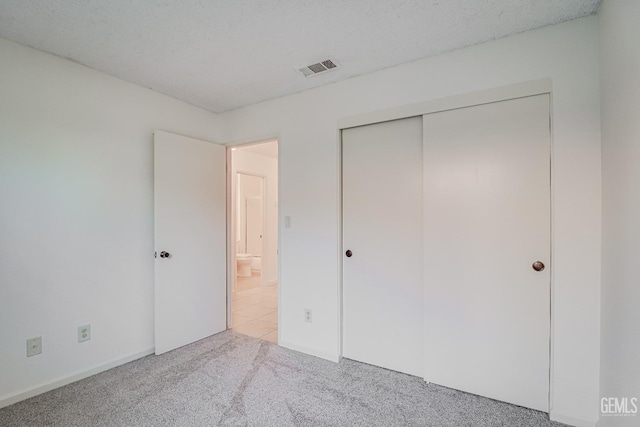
[382, 227]
[486, 222]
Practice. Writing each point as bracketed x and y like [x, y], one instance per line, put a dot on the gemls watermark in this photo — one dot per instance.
[619, 406]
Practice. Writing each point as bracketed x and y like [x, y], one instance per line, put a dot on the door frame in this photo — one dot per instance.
[231, 258]
[488, 96]
[263, 219]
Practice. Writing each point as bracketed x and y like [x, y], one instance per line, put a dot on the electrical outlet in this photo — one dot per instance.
[84, 333]
[307, 315]
[34, 346]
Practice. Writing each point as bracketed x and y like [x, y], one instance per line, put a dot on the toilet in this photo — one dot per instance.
[243, 264]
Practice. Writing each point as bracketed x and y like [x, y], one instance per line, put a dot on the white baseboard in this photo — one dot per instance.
[10, 399]
[333, 357]
[554, 416]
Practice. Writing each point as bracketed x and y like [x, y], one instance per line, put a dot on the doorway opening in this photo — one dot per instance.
[253, 224]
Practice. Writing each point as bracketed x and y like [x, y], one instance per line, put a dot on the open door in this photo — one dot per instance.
[190, 240]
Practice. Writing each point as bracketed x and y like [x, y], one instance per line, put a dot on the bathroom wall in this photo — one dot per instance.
[248, 186]
[257, 164]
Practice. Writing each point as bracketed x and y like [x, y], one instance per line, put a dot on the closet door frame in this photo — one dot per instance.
[504, 93]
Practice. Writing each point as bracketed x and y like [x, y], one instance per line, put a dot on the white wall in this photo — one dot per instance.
[620, 68]
[309, 159]
[253, 163]
[76, 216]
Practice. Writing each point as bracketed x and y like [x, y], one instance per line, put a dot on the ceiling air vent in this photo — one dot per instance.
[319, 67]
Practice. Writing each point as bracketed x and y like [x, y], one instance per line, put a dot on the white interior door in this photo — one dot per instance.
[190, 225]
[487, 220]
[382, 226]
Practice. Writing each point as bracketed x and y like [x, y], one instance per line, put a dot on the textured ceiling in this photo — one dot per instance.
[225, 54]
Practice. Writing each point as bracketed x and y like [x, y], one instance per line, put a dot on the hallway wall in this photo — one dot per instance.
[247, 161]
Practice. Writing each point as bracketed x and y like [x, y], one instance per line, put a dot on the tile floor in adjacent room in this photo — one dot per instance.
[255, 309]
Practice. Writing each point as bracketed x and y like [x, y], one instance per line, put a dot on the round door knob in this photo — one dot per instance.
[164, 254]
[349, 253]
[538, 266]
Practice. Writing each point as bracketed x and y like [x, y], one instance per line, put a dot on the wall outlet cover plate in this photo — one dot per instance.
[34, 346]
[84, 333]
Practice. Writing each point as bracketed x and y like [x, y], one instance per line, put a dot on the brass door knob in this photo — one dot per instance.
[538, 266]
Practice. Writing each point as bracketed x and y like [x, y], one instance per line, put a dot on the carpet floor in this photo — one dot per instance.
[234, 380]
